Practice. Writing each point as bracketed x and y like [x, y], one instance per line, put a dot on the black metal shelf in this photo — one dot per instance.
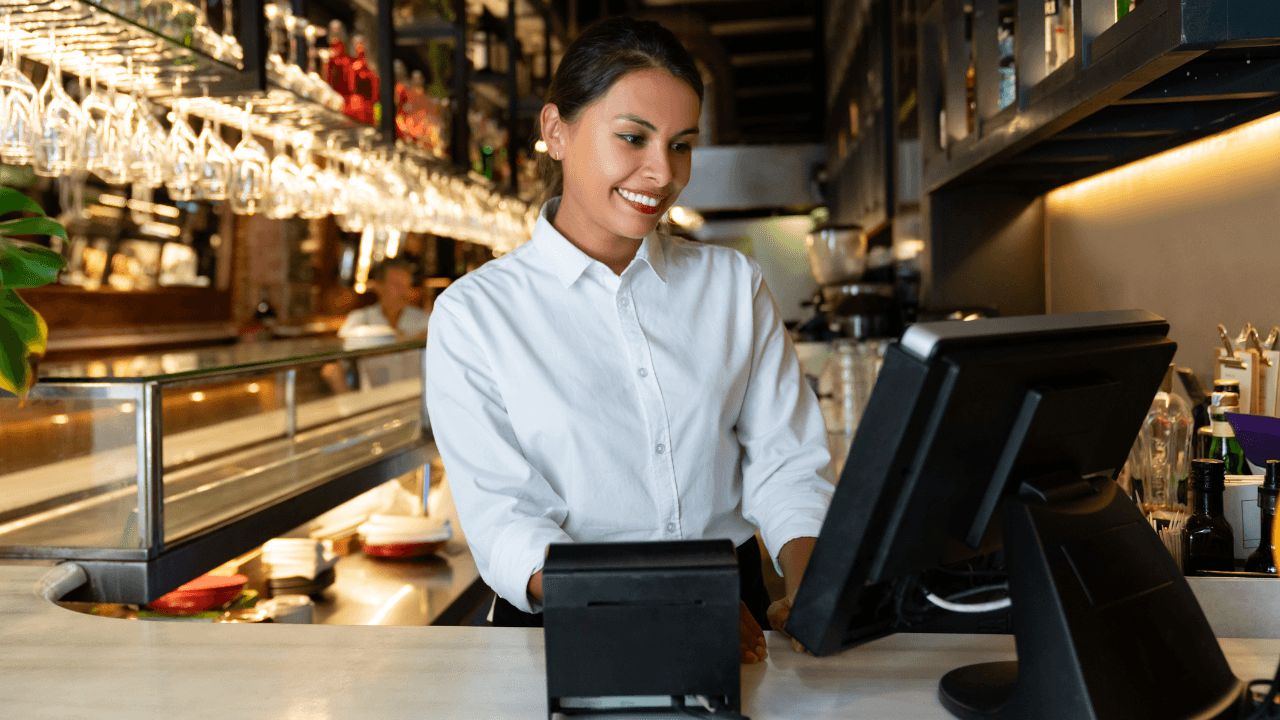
[1168, 73]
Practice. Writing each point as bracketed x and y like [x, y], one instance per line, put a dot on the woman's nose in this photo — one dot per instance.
[658, 166]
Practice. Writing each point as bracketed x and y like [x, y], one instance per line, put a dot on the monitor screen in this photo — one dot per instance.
[939, 445]
[1003, 436]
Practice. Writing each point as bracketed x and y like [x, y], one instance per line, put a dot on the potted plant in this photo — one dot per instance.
[23, 333]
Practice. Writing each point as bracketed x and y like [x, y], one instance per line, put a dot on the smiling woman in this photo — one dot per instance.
[606, 382]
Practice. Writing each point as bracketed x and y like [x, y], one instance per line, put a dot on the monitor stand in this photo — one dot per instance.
[1105, 624]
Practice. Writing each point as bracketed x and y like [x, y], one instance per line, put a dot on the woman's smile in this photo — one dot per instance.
[642, 202]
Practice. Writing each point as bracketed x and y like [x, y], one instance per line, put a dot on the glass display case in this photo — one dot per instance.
[149, 470]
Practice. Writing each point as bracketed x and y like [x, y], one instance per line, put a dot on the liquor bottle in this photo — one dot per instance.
[1263, 560]
[1225, 447]
[1210, 539]
[1163, 446]
[1204, 441]
[1227, 385]
[363, 84]
[338, 67]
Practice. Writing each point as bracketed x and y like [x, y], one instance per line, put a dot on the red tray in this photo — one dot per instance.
[402, 550]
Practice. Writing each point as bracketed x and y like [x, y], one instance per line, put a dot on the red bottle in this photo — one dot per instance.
[338, 66]
[363, 84]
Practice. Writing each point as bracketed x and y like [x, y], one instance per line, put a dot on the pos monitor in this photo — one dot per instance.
[1006, 433]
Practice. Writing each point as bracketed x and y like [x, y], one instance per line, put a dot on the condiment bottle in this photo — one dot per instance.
[1210, 539]
[1263, 560]
[1225, 447]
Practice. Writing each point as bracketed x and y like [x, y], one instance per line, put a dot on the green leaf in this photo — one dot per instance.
[15, 373]
[12, 201]
[28, 324]
[33, 226]
[27, 265]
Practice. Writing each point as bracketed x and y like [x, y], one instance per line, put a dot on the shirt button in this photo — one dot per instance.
[671, 527]
[643, 372]
[623, 302]
[661, 449]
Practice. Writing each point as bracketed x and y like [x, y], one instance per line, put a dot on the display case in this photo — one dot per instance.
[150, 470]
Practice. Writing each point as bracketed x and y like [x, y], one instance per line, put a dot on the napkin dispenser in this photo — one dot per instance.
[641, 625]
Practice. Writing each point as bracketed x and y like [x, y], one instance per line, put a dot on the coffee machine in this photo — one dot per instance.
[863, 293]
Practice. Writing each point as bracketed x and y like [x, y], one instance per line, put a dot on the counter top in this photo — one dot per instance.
[56, 663]
[198, 362]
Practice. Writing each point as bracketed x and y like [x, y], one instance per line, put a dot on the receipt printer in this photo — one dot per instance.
[641, 625]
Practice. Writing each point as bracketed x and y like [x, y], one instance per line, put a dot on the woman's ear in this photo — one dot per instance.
[553, 130]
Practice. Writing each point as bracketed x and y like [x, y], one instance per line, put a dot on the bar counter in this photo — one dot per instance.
[56, 663]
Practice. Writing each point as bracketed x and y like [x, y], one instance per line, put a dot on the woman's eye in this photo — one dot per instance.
[633, 139]
[681, 147]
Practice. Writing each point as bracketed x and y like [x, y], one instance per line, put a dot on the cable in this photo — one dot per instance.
[982, 607]
[1251, 709]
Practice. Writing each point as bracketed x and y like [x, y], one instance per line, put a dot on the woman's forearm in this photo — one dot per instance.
[793, 558]
[535, 588]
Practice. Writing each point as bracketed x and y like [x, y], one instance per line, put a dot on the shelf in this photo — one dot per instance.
[1165, 74]
[94, 38]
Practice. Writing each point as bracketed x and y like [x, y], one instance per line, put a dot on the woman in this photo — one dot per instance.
[606, 383]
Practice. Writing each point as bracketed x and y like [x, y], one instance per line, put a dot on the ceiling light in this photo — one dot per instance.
[540, 146]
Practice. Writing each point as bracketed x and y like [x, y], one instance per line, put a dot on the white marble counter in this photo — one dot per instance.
[63, 665]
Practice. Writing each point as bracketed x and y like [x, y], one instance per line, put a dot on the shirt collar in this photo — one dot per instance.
[568, 262]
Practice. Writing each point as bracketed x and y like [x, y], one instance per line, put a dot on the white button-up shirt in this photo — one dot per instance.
[573, 404]
[412, 320]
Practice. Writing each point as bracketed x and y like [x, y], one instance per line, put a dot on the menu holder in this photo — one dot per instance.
[1242, 365]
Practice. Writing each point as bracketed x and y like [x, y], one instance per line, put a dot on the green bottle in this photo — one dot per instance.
[1225, 447]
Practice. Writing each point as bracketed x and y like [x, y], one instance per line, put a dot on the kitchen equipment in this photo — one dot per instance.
[204, 593]
[864, 310]
[837, 253]
[290, 609]
[299, 585]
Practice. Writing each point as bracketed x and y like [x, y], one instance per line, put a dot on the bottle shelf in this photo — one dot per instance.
[1163, 75]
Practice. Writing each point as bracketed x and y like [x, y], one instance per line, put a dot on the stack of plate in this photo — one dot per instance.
[298, 566]
[403, 535]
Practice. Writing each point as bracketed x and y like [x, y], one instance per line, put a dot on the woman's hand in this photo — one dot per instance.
[751, 637]
[778, 614]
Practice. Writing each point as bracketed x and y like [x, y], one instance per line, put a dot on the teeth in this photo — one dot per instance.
[635, 197]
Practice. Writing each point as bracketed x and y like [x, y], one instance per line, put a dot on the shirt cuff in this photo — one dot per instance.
[779, 531]
[518, 553]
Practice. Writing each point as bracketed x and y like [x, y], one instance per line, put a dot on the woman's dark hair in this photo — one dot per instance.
[603, 53]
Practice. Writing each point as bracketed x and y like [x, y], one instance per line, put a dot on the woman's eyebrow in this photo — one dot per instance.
[646, 124]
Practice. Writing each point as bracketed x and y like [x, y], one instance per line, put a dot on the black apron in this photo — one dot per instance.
[750, 586]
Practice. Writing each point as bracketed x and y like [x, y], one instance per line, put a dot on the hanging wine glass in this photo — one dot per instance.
[333, 180]
[311, 193]
[59, 145]
[231, 49]
[115, 166]
[284, 179]
[18, 107]
[215, 169]
[146, 150]
[251, 173]
[184, 167]
[101, 118]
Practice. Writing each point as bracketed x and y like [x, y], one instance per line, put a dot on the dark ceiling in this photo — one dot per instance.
[766, 57]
